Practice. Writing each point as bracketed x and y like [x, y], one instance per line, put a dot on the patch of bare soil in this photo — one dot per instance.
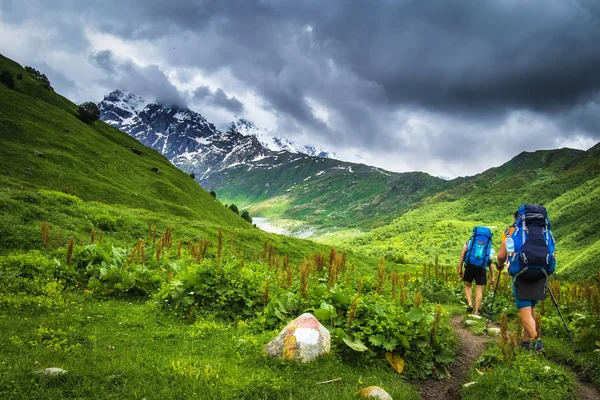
[470, 347]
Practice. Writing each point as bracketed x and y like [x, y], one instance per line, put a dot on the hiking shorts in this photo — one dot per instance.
[522, 303]
[474, 272]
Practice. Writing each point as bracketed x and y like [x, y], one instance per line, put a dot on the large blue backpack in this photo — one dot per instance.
[533, 258]
[479, 247]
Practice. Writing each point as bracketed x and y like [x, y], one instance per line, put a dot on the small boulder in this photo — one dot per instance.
[469, 322]
[494, 331]
[373, 392]
[38, 153]
[475, 316]
[53, 371]
[155, 169]
[302, 339]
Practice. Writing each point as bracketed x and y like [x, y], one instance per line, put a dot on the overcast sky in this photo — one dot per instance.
[446, 87]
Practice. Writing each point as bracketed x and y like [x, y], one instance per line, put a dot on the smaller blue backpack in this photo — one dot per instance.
[479, 247]
[533, 258]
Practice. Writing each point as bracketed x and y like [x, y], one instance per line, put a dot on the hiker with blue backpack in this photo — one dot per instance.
[476, 258]
[528, 250]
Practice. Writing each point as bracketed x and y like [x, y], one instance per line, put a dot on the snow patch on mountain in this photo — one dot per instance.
[278, 143]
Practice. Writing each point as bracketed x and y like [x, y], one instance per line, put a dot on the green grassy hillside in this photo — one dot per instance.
[81, 178]
[45, 145]
[326, 193]
[565, 181]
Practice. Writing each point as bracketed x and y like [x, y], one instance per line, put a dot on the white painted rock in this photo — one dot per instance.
[52, 371]
[495, 331]
[302, 339]
[374, 392]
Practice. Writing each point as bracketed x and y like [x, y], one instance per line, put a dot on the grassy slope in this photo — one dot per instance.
[95, 163]
[327, 193]
[565, 180]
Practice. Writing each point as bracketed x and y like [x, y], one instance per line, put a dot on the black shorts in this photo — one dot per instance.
[477, 273]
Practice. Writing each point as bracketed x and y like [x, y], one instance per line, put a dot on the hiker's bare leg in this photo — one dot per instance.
[478, 297]
[526, 314]
[536, 327]
[468, 293]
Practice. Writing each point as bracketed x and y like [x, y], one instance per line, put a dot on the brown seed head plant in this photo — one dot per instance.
[93, 236]
[395, 280]
[45, 233]
[418, 300]
[304, 277]
[354, 305]
[219, 248]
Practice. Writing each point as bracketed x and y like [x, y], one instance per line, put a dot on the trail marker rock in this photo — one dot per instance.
[302, 339]
[494, 330]
[53, 371]
[374, 392]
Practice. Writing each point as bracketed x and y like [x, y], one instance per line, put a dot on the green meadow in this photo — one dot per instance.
[118, 268]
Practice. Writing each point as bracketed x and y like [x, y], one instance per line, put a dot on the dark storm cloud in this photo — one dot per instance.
[472, 68]
[148, 81]
[218, 98]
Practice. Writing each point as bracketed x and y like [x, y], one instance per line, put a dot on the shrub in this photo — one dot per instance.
[213, 194]
[246, 216]
[39, 76]
[88, 112]
[234, 208]
[192, 175]
[106, 222]
[7, 78]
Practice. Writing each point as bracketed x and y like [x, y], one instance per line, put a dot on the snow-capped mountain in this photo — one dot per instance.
[278, 143]
[185, 137]
[192, 143]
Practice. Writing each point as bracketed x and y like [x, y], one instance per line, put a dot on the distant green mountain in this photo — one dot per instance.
[325, 192]
[566, 181]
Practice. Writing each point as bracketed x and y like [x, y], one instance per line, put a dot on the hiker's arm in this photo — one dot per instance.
[459, 271]
[501, 256]
[492, 278]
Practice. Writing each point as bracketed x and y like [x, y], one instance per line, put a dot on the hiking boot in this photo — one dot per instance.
[539, 346]
[527, 345]
[469, 309]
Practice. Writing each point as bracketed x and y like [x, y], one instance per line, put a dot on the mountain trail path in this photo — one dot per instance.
[469, 349]
[585, 391]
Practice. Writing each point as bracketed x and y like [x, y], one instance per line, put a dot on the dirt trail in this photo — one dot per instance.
[470, 347]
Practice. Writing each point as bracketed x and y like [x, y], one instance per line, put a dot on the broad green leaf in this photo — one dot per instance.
[356, 345]
[322, 314]
[93, 283]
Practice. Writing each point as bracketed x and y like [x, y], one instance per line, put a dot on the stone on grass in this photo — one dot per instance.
[475, 316]
[469, 322]
[52, 371]
[374, 392]
[303, 339]
[38, 153]
[469, 384]
[495, 331]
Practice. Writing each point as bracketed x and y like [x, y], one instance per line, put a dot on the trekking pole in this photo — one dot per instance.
[561, 317]
[493, 298]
